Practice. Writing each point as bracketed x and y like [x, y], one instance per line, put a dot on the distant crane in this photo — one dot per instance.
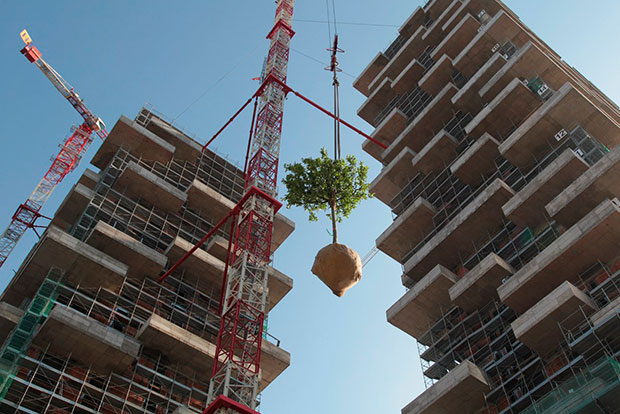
[71, 151]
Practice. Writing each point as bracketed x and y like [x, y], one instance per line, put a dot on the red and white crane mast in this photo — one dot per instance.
[71, 151]
[236, 371]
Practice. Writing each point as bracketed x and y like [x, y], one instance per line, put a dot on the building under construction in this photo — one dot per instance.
[501, 171]
[88, 326]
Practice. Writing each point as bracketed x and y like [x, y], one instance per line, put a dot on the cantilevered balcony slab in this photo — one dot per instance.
[510, 107]
[212, 205]
[460, 391]
[438, 76]
[141, 260]
[282, 228]
[467, 99]
[458, 38]
[526, 206]
[137, 182]
[500, 29]
[424, 127]
[369, 73]
[477, 161]
[596, 237]
[422, 305]
[376, 102]
[412, 48]
[134, 138]
[586, 192]
[185, 148]
[72, 206]
[539, 329]
[9, 317]
[190, 350]
[407, 230]
[437, 154]
[409, 77]
[435, 30]
[393, 177]
[89, 179]
[479, 286]
[472, 7]
[472, 225]
[386, 133]
[82, 264]
[67, 332]
[564, 109]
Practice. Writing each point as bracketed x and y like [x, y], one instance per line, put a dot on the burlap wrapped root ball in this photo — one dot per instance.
[338, 266]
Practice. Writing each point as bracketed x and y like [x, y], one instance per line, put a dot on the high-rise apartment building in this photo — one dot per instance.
[501, 171]
[88, 327]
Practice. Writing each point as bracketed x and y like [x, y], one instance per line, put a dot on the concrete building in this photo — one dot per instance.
[88, 327]
[501, 173]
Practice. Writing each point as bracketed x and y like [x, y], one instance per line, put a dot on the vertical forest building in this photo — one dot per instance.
[86, 325]
[501, 172]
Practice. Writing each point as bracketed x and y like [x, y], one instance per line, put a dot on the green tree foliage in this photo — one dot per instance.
[324, 184]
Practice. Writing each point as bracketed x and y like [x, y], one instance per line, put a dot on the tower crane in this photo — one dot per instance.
[71, 151]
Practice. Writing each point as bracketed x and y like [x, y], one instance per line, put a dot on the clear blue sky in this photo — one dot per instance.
[345, 357]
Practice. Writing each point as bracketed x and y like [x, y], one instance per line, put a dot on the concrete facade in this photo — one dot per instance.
[92, 328]
[503, 189]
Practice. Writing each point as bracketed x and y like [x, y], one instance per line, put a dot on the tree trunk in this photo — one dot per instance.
[332, 205]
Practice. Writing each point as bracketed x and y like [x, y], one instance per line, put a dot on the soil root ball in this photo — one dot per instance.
[338, 266]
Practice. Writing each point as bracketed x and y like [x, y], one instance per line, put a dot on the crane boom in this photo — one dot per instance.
[71, 152]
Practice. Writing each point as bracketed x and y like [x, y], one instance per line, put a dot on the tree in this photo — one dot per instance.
[324, 184]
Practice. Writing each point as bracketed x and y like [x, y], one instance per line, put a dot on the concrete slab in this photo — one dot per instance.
[479, 286]
[282, 228]
[472, 225]
[473, 7]
[409, 77]
[598, 183]
[82, 263]
[477, 161]
[212, 205]
[508, 109]
[186, 149]
[596, 237]
[539, 329]
[200, 268]
[467, 99]
[435, 30]
[566, 108]
[386, 133]
[89, 179]
[526, 206]
[421, 306]
[460, 391]
[141, 260]
[425, 126]
[436, 155]
[410, 228]
[369, 73]
[375, 103]
[393, 177]
[458, 38]
[72, 206]
[136, 182]
[9, 317]
[67, 332]
[136, 139]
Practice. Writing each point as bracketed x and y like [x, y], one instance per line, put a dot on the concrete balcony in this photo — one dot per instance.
[407, 230]
[134, 138]
[435, 30]
[82, 263]
[598, 183]
[508, 109]
[525, 207]
[438, 76]
[369, 73]
[212, 205]
[468, 99]
[596, 237]
[424, 127]
[499, 30]
[190, 350]
[9, 317]
[409, 77]
[472, 225]
[458, 38]
[566, 108]
[136, 182]
[141, 260]
[186, 149]
[460, 391]
[473, 7]
[386, 132]
[479, 286]
[393, 177]
[477, 161]
[67, 332]
[436, 155]
[375, 103]
[539, 329]
[89, 179]
[72, 206]
[421, 306]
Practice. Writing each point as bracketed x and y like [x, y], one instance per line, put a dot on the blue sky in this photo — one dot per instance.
[118, 55]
